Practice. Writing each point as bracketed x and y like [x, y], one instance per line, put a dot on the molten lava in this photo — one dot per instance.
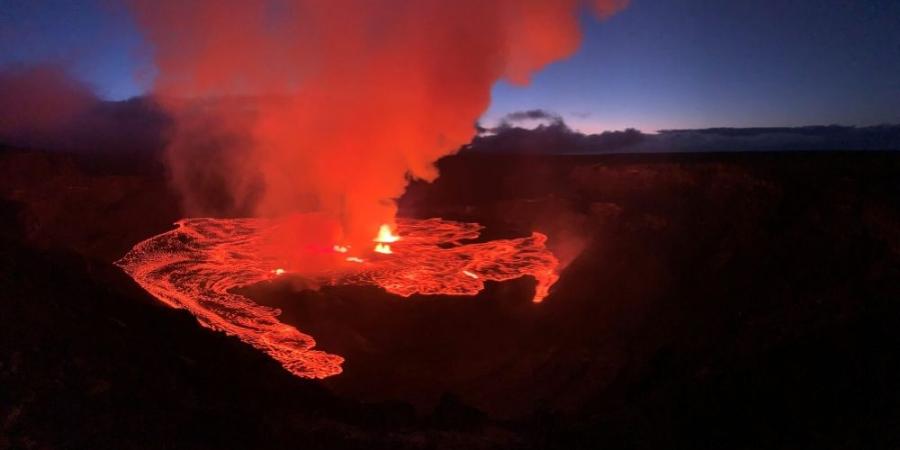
[198, 265]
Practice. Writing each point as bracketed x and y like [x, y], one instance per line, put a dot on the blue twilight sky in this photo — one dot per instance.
[658, 64]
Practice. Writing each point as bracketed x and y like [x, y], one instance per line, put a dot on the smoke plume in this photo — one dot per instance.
[331, 106]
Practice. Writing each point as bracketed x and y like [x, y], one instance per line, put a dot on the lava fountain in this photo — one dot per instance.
[199, 264]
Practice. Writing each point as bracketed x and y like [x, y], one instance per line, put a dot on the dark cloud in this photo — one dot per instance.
[40, 100]
[513, 119]
[832, 137]
[554, 137]
[557, 138]
[532, 114]
[44, 107]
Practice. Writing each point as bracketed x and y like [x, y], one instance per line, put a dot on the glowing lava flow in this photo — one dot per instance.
[197, 266]
[431, 259]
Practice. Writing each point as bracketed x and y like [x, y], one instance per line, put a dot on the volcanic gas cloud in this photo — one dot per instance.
[312, 116]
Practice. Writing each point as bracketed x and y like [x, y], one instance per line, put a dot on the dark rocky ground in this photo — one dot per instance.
[720, 301]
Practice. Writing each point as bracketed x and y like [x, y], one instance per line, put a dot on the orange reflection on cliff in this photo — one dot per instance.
[198, 265]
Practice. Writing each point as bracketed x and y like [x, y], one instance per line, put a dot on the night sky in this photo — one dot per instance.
[659, 64]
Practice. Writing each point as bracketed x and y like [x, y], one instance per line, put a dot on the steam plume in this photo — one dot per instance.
[329, 106]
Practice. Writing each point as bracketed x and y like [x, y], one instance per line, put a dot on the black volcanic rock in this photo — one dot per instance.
[710, 301]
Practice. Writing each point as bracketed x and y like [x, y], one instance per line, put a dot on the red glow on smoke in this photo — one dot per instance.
[197, 266]
[330, 106]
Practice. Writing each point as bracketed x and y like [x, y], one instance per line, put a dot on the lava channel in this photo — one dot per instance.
[199, 264]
